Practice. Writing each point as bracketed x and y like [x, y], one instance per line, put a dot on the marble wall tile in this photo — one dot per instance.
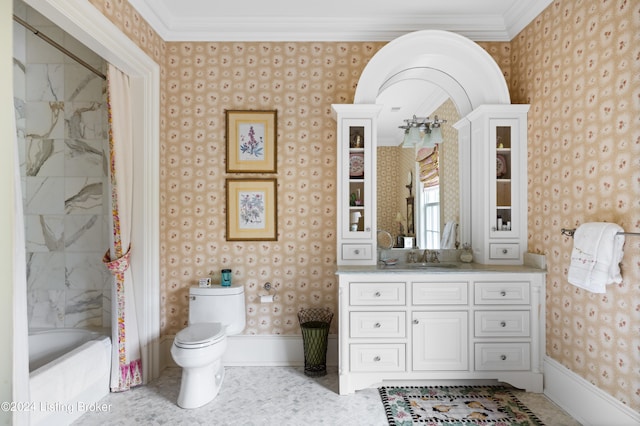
[45, 120]
[41, 52]
[63, 179]
[85, 271]
[83, 308]
[19, 85]
[83, 120]
[45, 82]
[45, 271]
[44, 157]
[45, 308]
[83, 195]
[44, 233]
[84, 158]
[45, 195]
[83, 233]
[80, 84]
[106, 304]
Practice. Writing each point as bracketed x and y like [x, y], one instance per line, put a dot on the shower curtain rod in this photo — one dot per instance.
[36, 32]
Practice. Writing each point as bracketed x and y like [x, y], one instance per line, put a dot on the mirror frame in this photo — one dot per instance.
[442, 58]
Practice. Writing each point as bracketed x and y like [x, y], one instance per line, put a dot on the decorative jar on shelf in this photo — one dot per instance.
[467, 254]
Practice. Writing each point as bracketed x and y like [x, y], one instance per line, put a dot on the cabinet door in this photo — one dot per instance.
[504, 194]
[440, 340]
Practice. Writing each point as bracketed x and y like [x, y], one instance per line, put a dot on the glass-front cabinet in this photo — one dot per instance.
[356, 204]
[499, 183]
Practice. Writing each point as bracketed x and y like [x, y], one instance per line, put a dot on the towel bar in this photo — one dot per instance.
[570, 232]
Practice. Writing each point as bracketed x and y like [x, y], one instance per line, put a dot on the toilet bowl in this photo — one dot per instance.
[198, 349]
[214, 313]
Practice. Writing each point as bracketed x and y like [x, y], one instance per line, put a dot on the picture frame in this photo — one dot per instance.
[251, 141]
[252, 209]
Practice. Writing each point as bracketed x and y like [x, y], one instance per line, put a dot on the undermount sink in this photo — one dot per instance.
[431, 265]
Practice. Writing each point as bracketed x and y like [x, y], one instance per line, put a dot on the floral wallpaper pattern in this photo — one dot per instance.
[577, 64]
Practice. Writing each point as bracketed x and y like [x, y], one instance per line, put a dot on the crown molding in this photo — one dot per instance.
[522, 14]
[477, 27]
[329, 29]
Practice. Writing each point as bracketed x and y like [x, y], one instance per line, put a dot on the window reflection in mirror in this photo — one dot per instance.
[433, 207]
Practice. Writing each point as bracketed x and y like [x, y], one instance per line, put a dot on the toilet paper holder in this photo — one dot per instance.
[267, 298]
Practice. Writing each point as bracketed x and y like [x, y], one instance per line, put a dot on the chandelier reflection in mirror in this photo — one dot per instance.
[422, 132]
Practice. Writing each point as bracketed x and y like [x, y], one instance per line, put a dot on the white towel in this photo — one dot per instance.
[448, 240]
[597, 253]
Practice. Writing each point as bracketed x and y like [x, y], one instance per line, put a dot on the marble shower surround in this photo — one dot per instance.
[573, 64]
[62, 137]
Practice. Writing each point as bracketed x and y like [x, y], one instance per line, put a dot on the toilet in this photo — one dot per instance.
[214, 313]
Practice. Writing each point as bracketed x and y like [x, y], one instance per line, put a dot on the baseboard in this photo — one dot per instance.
[258, 350]
[582, 400]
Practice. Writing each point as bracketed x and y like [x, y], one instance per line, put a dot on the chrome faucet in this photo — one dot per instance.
[430, 256]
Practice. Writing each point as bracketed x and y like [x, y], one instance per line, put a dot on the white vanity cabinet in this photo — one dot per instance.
[409, 327]
[498, 182]
[356, 180]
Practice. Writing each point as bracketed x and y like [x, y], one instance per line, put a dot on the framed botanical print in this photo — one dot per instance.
[251, 141]
[252, 210]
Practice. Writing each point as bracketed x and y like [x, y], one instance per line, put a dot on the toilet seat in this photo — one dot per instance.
[199, 335]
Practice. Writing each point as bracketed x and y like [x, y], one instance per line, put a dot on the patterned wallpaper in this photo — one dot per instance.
[576, 64]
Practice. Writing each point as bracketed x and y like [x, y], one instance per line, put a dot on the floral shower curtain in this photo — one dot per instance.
[126, 363]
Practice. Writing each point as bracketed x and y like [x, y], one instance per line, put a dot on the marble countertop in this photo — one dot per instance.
[435, 268]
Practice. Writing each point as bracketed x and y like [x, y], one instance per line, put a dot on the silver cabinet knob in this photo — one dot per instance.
[377, 325]
[503, 324]
[415, 321]
[505, 251]
[376, 358]
[356, 251]
[377, 294]
[503, 293]
[503, 357]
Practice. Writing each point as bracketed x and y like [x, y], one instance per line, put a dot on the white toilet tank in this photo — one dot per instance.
[218, 304]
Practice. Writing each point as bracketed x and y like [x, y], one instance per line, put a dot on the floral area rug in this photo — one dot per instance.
[455, 406]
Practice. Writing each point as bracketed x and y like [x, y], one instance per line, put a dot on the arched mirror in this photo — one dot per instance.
[418, 187]
[422, 74]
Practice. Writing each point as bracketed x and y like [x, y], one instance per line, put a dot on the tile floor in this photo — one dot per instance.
[268, 396]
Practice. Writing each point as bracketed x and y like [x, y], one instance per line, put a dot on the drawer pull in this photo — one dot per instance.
[503, 324]
[415, 321]
[356, 251]
[503, 357]
[377, 325]
[377, 294]
[503, 293]
[376, 358]
[505, 251]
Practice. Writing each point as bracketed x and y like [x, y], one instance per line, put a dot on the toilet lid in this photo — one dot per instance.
[199, 335]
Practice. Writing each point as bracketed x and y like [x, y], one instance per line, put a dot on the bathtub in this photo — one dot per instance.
[69, 374]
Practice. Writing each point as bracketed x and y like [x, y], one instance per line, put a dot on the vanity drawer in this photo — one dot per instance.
[502, 356]
[495, 293]
[502, 323]
[504, 251]
[387, 293]
[454, 293]
[377, 357]
[357, 251]
[377, 324]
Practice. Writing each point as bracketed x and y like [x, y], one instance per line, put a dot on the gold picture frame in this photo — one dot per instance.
[252, 209]
[251, 141]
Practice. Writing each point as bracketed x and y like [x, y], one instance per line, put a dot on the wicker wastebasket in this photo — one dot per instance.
[314, 323]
